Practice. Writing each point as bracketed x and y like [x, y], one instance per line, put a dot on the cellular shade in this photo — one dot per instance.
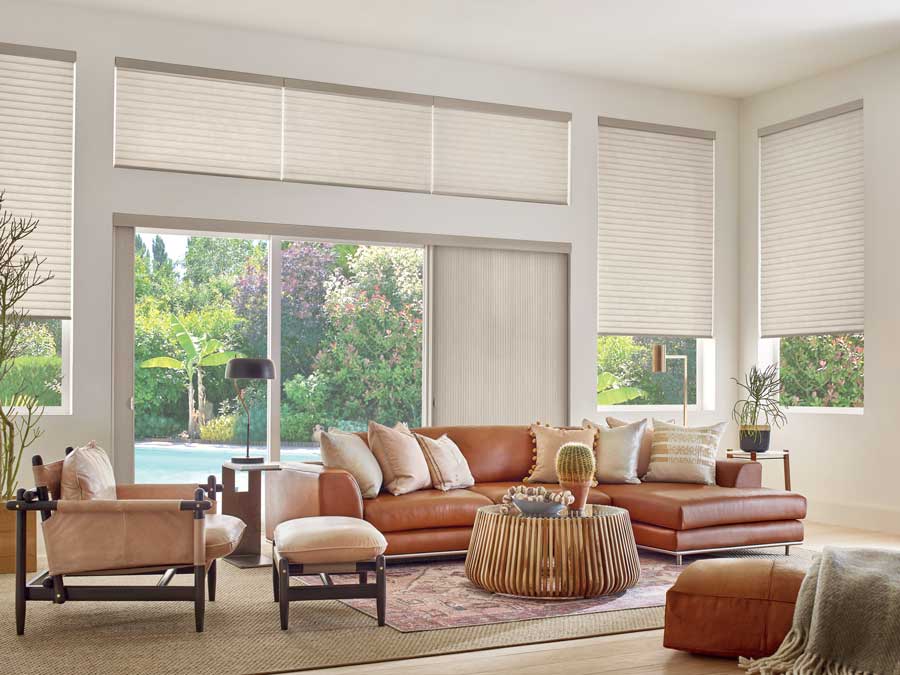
[36, 136]
[656, 230]
[812, 225]
[358, 137]
[197, 121]
[499, 349]
[483, 150]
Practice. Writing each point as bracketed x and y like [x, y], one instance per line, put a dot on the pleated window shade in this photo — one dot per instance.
[352, 138]
[812, 225]
[495, 151]
[499, 350]
[182, 122]
[656, 231]
[37, 89]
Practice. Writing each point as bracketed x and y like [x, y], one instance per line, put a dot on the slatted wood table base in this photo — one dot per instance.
[565, 557]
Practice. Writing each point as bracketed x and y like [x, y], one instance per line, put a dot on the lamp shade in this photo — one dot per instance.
[658, 359]
[250, 369]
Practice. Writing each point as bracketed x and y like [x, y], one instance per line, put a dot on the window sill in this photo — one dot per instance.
[811, 410]
[49, 411]
[647, 408]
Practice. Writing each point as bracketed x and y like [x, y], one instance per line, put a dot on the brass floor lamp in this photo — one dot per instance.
[658, 363]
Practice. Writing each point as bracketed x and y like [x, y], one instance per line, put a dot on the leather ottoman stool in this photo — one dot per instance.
[736, 607]
[326, 545]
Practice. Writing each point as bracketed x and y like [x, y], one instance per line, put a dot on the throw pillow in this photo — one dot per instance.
[547, 441]
[347, 451]
[646, 443]
[87, 474]
[447, 465]
[617, 452]
[684, 454]
[400, 458]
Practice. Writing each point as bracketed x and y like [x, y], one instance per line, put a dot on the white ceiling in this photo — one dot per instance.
[727, 47]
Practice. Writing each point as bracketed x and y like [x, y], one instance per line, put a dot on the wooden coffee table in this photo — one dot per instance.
[562, 557]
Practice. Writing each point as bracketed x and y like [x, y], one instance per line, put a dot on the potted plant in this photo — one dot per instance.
[759, 409]
[20, 272]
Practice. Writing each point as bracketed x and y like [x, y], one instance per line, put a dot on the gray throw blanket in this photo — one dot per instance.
[847, 620]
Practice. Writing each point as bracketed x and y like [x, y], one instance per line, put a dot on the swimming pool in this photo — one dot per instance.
[160, 462]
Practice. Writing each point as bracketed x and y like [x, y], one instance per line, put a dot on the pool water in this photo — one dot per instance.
[159, 462]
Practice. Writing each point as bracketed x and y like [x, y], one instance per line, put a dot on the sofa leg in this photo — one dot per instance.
[211, 581]
[679, 559]
[381, 589]
[787, 550]
[284, 602]
[199, 596]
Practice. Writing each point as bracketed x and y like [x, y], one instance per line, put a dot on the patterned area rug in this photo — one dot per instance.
[432, 596]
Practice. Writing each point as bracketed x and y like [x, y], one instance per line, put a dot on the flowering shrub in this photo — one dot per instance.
[823, 370]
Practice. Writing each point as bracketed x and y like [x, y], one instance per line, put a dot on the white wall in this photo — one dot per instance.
[846, 464]
[99, 36]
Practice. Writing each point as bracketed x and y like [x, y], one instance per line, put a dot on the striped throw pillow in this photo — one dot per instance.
[684, 454]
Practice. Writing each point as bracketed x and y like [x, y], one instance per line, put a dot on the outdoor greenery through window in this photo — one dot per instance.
[351, 346]
[822, 370]
[625, 377]
[37, 369]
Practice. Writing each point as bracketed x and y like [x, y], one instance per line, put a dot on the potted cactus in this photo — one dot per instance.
[575, 465]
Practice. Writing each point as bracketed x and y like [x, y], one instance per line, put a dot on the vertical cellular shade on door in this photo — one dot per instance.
[358, 137]
[36, 138]
[656, 230]
[812, 224]
[197, 121]
[500, 337]
[484, 150]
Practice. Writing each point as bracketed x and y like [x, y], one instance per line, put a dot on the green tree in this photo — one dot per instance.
[823, 370]
[195, 354]
[210, 258]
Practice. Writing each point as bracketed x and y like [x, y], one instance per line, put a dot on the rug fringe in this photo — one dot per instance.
[790, 659]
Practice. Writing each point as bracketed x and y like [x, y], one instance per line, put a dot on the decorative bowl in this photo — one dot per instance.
[544, 509]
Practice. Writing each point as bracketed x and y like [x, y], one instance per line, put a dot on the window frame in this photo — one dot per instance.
[65, 386]
[706, 397]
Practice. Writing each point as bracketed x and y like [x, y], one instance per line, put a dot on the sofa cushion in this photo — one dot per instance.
[495, 491]
[88, 474]
[328, 539]
[686, 506]
[494, 453]
[424, 509]
[347, 451]
[447, 465]
[223, 534]
[733, 607]
[400, 458]
[547, 442]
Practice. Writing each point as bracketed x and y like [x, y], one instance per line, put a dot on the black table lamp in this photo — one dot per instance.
[248, 369]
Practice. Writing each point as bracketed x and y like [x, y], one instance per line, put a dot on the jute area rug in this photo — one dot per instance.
[243, 635]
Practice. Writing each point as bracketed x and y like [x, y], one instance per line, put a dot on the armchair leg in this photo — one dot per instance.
[199, 596]
[20, 572]
[275, 580]
[284, 603]
[211, 581]
[381, 588]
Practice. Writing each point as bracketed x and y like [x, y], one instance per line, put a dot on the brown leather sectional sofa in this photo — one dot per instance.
[675, 518]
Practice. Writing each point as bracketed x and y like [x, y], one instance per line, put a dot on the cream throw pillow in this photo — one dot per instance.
[617, 451]
[347, 451]
[400, 458]
[447, 465]
[547, 441]
[646, 443]
[87, 474]
[684, 454]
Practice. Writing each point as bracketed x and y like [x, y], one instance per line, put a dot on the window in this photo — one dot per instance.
[624, 376]
[181, 118]
[812, 254]
[822, 371]
[37, 91]
[351, 339]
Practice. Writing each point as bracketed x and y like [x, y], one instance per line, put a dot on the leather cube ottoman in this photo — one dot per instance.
[734, 607]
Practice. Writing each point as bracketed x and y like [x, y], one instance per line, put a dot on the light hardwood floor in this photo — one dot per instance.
[631, 653]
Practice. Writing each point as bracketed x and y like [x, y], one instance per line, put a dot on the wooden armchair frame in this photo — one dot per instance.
[53, 588]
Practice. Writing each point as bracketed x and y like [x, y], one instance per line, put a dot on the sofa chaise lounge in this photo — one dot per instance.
[674, 518]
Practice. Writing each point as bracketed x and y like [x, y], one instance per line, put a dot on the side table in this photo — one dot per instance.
[248, 507]
[784, 455]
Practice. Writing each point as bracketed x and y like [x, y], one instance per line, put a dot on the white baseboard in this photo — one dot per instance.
[858, 516]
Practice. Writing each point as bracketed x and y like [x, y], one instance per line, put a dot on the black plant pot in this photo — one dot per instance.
[755, 439]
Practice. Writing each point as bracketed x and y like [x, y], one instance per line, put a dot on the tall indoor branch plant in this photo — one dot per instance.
[20, 273]
[759, 408]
